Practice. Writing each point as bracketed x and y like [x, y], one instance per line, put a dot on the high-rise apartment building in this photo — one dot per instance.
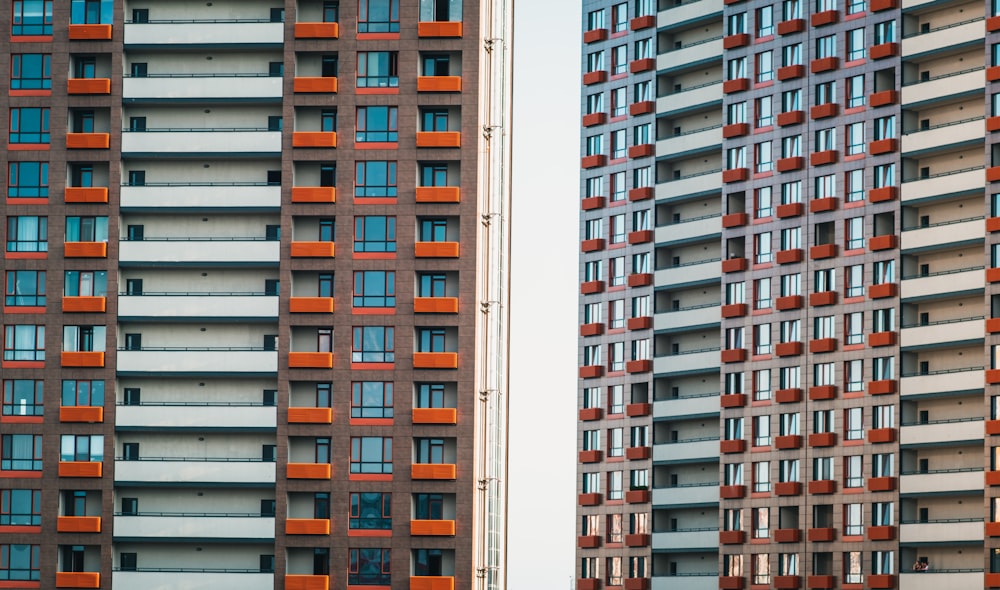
[802, 193]
[255, 318]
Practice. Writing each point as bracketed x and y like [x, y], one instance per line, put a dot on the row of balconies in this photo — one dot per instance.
[194, 416]
[207, 580]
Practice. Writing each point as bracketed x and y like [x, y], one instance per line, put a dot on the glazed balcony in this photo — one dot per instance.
[687, 99]
[959, 281]
[686, 319]
[178, 306]
[958, 431]
[687, 187]
[949, 136]
[196, 416]
[222, 87]
[949, 37]
[187, 196]
[156, 526]
[199, 251]
[695, 54]
[687, 540]
[680, 16]
[949, 234]
[185, 471]
[195, 579]
[690, 142]
[965, 530]
[204, 35]
[706, 405]
[688, 362]
[687, 451]
[967, 181]
[946, 333]
[200, 142]
[687, 495]
[695, 581]
[198, 361]
[699, 272]
[942, 481]
[968, 380]
[945, 87]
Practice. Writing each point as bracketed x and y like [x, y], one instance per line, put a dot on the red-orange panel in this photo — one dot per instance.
[317, 31]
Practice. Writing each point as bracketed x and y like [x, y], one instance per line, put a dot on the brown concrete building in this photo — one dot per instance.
[245, 346]
[823, 366]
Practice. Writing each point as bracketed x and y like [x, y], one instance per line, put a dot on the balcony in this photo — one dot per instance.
[682, 15]
[195, 417]
[695, 361]
[943, 481]
[967, 181]
[199, 251]
[691, 142]
[436, 471]
[687, 451]
[700, 581]
[701, 316]
[78, 524]
[444, 528]
[945, 432]
[157, 35]
[950, 333]
[85, 194]
[949, 283]
[952, 36]
[699, 272]
[935, 580]
[954, 381]
[183, 306]
[960, 232]
[198, 361]
[166, 471]
[699, 494]
[200, 142]
[193, 580]
[432, 583]
[955, 135]
[148, 527]
[186, 197]
[945, 531]
[78, 580]
[310, 360]
[317, 30]
[439, 83]
[687, 187]
[963, 83]
[687, 540]
[690, 56]
[688, 99]
[306, 582]
[702, 406]
[200, 87]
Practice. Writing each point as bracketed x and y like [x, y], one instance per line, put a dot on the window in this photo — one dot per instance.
[619, 17]
[791, 192]
[27, 234]
[791, 146]
[737, 68]
[618, 190]
[369, 567]
[852, 567]
[642, 91]
[763, 161]
[20, 508]
[884, 320]
[31, 17]
[762, 476]
[374, 288]
[371, 399]
[765, 22]
[374, 234]
[20, 562]
[30, 71]
[378, 16]
[885, 32]
[853, 521]
[378, 69]
[619, 144]
[734, 383]
[595, 145]
[82, 392]
[84, 338]
[588, 567]
[643, 49]
[734, 338]
[435, 64]
[25, 288]
[855, 181]
[736, 23]
[644, 8]
[595, 61]
[790, 331]
[616, 399]
[882, 368]
[28, 180]
[853, 477]
[616, 356]
[86, 229]
[595, 104]
[736, 157]
[884, 272]
[762, 339]
[613, 571]
[615, 485]
[619, 59]
[791, 284]
[762, 247]
[733, 428]
[375, 178]
[377, 124]
[853, 328]
[642, 134]
[29, 125]
[434, 119]
[431, 507]
[854, 230]
[855, 138]
[440, 10]
[791, 238]
[617, 269]
[882, 562]
[856, 90]
[791, 100]
[788, 470]
[373, 344]
[823, 327]
[764, 62]
[826, 139]
[616, 442]
[22, 397]
[823, 421]
[82, 448]
[854, 428]
[823, 280]
[591, 440]
[826, 46]
[91, 11]
[822, 468]
[736, 113]
[596, 20]
[24, 343]
[791, 55]
[789, 426]
[855, 44]
[735, 293]
[761, 431]
[853, 376]
[882, 514]
[762, 385]
[733, 475]
[371, 454]
[884, 175]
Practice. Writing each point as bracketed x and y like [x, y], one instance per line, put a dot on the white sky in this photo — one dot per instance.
[545, 226]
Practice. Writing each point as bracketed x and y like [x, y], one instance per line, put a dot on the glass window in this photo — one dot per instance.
[24, 343]
[373, 344]
[375, 178]
[82, 392]
[369, 567]
[765, 21]
[371, 454]
[91, 11]
[22, 397]
[30, 71]
[20, 507]
[82, 448]
[440, 10]
[86, 229]
[28, 180]
[371, 399]
[855, 44]
[25, 288]
[31, 17]
[371, 510]
[374, 288]
[377, 124]
[378, 16]
[20, 562]
[378, 69]
[374, 233]
[29, 125]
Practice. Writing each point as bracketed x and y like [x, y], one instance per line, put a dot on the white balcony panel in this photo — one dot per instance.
[708, 228]
[193, 527]
[964, 381]
[688, 406]
[199, 252]
[931, 580]
[943, 433]
[686, 540]
[230, 88]
[687, 452]
[688, 318]
[932, 483]
[964, 34]
[692, 186]
[198, 361]
[944, 284]
[698, 362]
[246, 33]
[200, 197]
[688, 99]
[696, 141]
[686, 496]
[689, 11]
[195, 417]
[685, 582]
[939, 236]
[942, 532]
[191, 581]
[196, 306]
[961, 183]
[201, 142]
[706, 272]
[194, 472]
[942, 137]
[941, 88]
[692, 54]
[940, 334]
